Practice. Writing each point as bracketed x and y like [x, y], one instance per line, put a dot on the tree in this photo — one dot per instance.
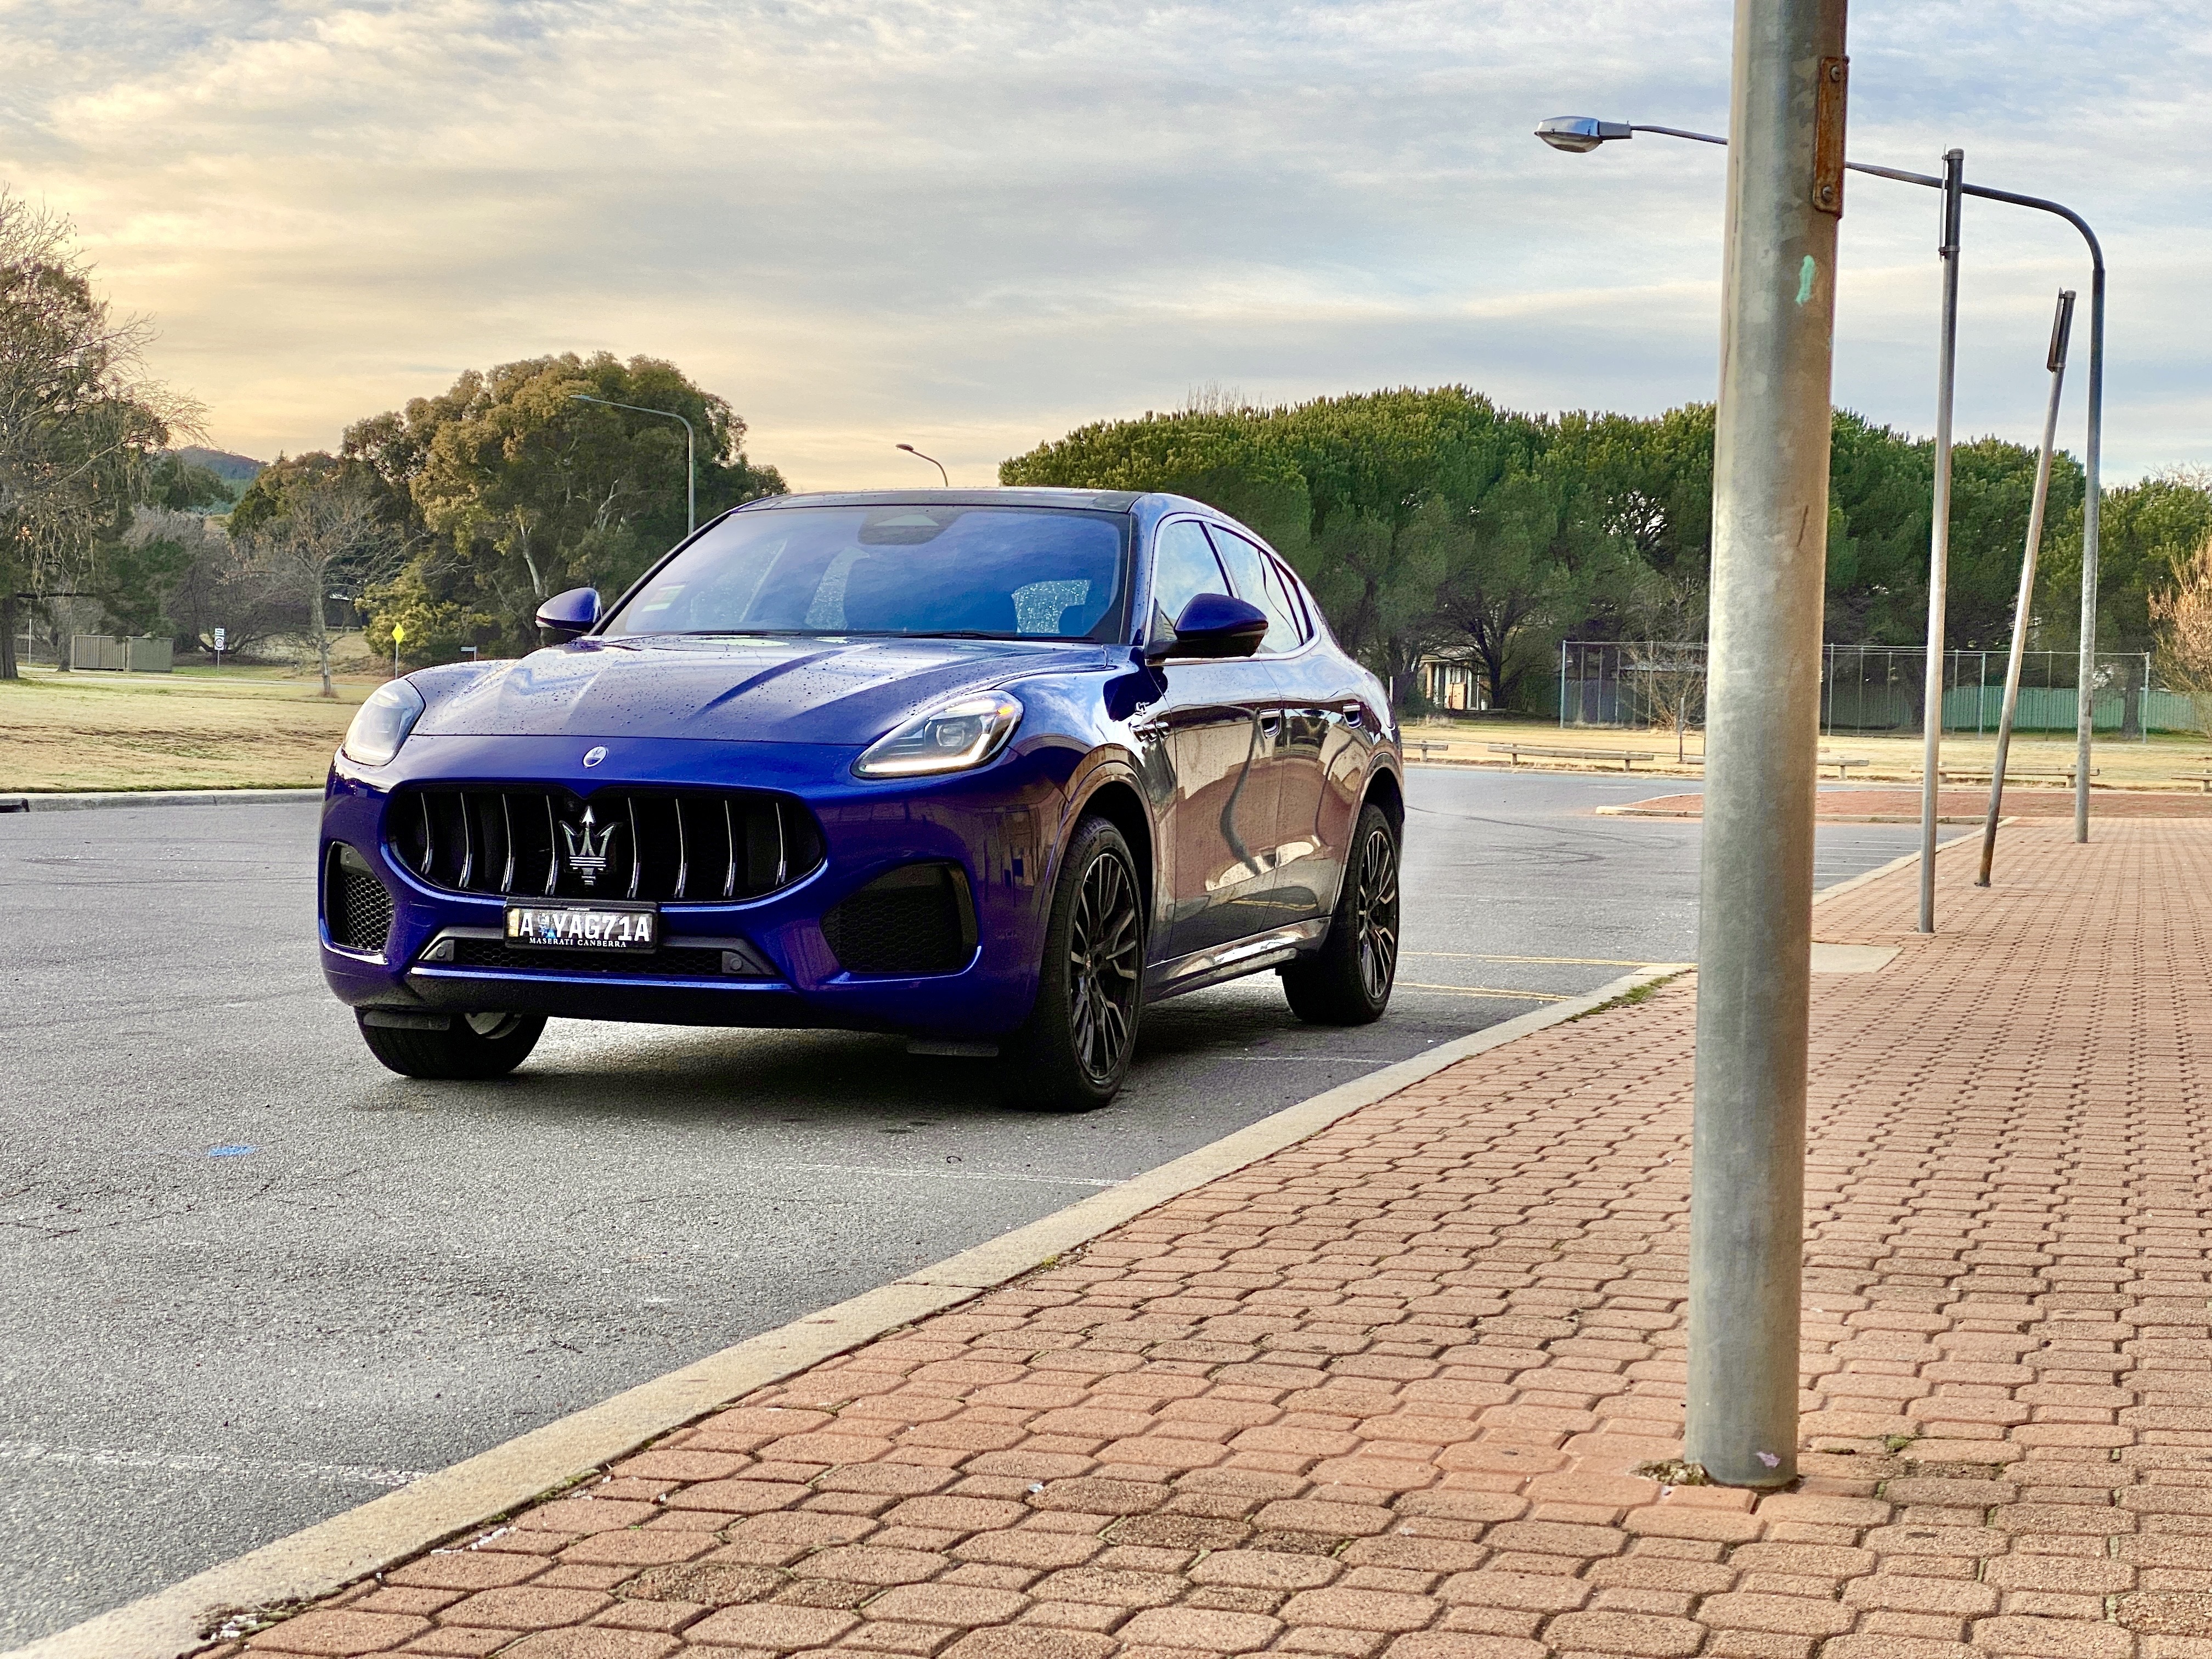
[505, 489]
[329, 534]
[2182, 615]
[78, 426]
[1669, 661]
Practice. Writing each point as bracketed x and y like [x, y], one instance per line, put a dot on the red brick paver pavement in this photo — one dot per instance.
[1383, 1394]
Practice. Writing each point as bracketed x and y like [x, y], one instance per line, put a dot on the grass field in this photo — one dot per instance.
[2160, 763]
[267, 728]
[195, 729]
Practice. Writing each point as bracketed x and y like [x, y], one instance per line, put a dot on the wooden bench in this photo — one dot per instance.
[1842, 763]
[1627, 757]
[1424, 745]
[2013, 775]
[2204, 778]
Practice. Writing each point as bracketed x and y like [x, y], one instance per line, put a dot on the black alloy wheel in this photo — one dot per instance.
[1348, 981]
[1073, 1053]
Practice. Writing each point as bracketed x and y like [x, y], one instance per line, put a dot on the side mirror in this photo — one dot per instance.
[1213, 625]
[565, 616]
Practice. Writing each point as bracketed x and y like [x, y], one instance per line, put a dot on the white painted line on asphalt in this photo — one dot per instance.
[324, 1558]
[1483, 991]
[1565, 962]
[922, 1170]
[110, 1457]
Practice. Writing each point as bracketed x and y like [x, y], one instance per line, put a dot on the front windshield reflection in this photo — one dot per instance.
[958, 571]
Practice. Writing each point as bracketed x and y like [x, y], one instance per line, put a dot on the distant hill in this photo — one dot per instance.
[231, 469]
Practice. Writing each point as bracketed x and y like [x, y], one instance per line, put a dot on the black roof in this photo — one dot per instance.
[1098, 501]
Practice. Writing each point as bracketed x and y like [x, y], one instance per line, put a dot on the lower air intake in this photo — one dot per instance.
[916, 920]
[356, 907]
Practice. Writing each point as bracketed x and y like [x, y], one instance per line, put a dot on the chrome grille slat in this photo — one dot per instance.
[483, 839]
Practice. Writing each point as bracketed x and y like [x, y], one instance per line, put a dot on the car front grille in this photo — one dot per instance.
[357, 907]
[659, 844]
[669, 962]
[916, 920]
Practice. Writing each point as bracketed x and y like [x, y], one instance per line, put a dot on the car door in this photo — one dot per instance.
[1222, 811]
[1297, 726]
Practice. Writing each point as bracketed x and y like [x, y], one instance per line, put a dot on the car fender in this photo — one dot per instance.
[1103, 768]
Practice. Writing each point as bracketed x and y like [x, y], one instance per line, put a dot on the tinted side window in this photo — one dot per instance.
[1183, 566]
[1258, 582]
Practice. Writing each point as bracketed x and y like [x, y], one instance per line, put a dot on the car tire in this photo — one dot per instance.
[474, 1046]
[1073, 1051]
[1348, 981]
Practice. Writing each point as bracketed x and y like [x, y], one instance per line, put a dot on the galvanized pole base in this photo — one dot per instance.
[1754, 925]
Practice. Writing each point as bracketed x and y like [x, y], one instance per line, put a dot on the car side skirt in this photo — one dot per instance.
[1224, 962]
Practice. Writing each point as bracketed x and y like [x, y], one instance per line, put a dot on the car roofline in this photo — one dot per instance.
[1094, 500]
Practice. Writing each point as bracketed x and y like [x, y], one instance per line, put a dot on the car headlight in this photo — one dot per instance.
[957, 737]
[382, 723]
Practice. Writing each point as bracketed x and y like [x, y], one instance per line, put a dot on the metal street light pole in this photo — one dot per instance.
[1578, 134]
[932, 459]
[2061, 325]
[1938, 543]
[1755, 909]
[690, 454]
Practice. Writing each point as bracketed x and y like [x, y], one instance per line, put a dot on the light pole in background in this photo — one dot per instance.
[1577, 134]
[932, 459]
[690, 452]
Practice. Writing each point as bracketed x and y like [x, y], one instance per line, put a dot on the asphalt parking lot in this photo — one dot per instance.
[251, 1279]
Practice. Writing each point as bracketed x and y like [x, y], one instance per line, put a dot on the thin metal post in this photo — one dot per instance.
[2061, 325]
[1563, 685]
[1755, 917]
[1939, 543]
[2092, 505]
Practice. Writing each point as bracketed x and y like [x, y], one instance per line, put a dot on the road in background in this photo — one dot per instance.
[253, 1279]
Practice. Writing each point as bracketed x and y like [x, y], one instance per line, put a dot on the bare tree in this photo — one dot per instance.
[330, 536]
[2183, 617]
[1670, 661]
[77, 420]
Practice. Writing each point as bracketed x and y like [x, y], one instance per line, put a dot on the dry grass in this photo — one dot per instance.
[242, 729]
[2160, 763]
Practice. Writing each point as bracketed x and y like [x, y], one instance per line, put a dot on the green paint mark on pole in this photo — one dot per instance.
[1805, 275]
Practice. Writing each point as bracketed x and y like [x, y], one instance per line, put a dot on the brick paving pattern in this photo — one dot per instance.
[1383, 1394]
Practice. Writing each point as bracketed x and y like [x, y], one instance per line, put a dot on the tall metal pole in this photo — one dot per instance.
[2061, 325]
[2091, 504]
[1939, 543]
[1755, 918]
[690, 453]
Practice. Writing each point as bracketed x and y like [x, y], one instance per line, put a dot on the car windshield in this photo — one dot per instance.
[990, 572]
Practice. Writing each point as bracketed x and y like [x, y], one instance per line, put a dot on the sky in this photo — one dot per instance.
[973, 226]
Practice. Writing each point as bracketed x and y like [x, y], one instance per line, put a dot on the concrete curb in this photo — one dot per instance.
[94, 800]
[331, 1554]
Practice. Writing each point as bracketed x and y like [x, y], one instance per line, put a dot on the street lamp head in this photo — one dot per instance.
[1577, 134]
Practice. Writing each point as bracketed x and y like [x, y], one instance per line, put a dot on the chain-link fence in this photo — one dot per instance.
[1874, 688]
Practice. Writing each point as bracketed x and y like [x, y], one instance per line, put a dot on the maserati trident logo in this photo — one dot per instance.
[593, 756]
[587, 847]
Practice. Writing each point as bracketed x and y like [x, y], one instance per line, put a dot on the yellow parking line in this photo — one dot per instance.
[1482, 991]
[1573, 962]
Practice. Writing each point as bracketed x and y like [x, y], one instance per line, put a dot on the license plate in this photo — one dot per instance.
[582, 928]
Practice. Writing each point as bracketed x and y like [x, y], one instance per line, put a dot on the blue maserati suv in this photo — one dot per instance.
[991, 768]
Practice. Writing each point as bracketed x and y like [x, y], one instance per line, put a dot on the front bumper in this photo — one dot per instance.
[998, 824]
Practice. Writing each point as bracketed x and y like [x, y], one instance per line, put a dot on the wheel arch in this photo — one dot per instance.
[1115, 797]
[1387, 791]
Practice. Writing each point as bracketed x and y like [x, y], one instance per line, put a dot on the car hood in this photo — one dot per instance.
[759, 690]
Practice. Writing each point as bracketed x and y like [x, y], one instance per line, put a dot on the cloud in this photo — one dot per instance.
[973, 226]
